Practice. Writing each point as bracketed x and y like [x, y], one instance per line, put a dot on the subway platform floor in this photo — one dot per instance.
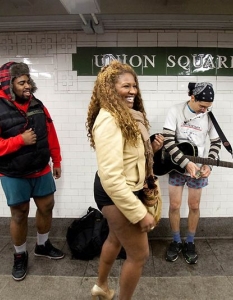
[68, 279]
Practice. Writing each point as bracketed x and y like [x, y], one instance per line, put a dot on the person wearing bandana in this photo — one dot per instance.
[27, 142]
[189, 122]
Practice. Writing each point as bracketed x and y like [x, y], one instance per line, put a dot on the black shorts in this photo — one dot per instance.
[101, 197]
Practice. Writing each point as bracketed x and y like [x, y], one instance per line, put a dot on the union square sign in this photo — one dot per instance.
[154, 61]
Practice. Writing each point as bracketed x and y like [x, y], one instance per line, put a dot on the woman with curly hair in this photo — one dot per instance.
[118, 131]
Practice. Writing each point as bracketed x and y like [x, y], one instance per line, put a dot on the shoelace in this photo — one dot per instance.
[191, 248]
[174, 246]
[18, 264]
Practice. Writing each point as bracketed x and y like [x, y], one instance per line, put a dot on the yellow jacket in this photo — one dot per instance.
[121, 167]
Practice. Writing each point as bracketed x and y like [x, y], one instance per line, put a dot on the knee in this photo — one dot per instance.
[138, 258]
[114, 242]
[194, 207]
[49, 206]
[143, 258]
[174, 206]
[45, 207]
[20, 214]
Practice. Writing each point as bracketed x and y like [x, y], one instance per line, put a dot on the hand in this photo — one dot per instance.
[157, 143]
[29, 137]
[56, 173]
[205, 171]
[147, 223]
[192, 169]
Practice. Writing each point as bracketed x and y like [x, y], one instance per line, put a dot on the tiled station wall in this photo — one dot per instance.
[66, 95]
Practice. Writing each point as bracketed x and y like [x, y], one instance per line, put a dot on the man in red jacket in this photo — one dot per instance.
[27, 142]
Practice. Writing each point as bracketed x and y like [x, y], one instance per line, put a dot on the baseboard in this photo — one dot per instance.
[207, 228]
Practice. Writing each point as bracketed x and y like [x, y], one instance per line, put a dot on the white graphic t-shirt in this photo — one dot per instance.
[190, 127]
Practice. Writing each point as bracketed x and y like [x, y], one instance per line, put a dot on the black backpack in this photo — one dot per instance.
[85, 236]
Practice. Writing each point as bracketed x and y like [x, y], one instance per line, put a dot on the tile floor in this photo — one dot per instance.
[68, 279]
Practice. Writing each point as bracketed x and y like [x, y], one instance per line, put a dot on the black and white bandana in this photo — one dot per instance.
[203, 91]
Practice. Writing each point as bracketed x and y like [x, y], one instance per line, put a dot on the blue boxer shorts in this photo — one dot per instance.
[177, 179]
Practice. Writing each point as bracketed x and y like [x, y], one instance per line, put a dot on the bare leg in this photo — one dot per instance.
[194, 198]
[132, 267]
[44, 213]
[109, 253]
[19, 223]
[175, 195]
[136, 246]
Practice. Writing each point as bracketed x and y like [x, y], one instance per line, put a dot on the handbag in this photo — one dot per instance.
[150, 195]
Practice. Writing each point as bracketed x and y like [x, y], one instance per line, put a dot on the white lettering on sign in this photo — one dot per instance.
[202, 62]
[134, 61]
[189, 62]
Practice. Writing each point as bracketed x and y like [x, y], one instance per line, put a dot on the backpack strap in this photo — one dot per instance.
[224, 140]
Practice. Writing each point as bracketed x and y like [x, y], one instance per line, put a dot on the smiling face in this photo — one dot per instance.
[127, 88]
[22, 87]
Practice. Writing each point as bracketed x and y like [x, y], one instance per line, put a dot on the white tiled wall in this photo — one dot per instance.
[67, 97]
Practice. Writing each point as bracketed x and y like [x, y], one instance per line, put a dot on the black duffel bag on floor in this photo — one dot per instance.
[85, 236]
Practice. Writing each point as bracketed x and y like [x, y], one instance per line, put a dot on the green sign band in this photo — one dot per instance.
[164, 61]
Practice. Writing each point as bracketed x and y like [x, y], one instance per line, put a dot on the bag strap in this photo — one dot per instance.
[224, 140]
